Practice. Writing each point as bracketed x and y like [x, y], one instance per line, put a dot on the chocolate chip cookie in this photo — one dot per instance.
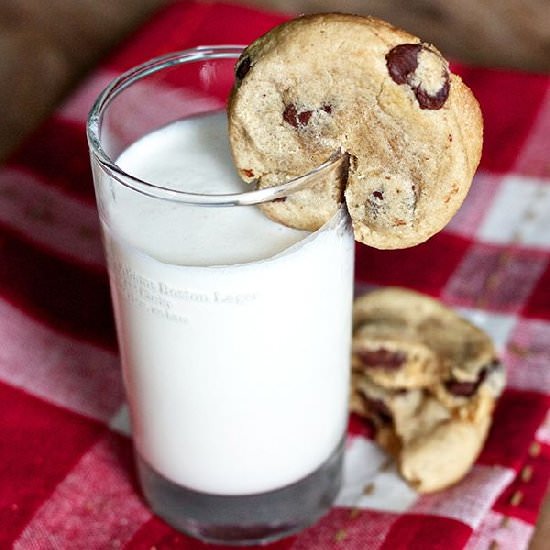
[410, 129]
[433, 416]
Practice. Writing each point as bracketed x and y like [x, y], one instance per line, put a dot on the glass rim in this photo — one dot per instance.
[126, 79]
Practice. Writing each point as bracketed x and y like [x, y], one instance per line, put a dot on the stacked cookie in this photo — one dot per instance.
[427, 379]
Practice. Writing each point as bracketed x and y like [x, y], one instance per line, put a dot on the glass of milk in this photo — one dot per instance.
[234, 331]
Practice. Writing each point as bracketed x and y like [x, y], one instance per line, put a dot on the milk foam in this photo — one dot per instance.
[194, 156]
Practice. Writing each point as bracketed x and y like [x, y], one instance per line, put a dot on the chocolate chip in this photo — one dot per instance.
[382, 358]
[299, 119]
[461, 389]
[402, 63]
[303, 117]
[290, 115]
[243, 66]
[467, 389]
[378, 195]
[294, 117]
[432, 102]
[378, 409]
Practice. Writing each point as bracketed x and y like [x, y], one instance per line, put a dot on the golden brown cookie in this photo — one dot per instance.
[444, 455]
[432, 418]
[392, 320]
[411, 130]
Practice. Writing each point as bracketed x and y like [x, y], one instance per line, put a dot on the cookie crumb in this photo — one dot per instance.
[355, 512]
[368, 489]
[534, 449]
[518, 350]
[526, 473]
[340, 535]
[516, 498]
[494, 545]
[505, 522]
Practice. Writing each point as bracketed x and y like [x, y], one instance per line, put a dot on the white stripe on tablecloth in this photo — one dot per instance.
[519, 213]
[95, 506]
[543, 433]
[471, 499]
[503, 533]
[366, 465]
[48, 217]
[527, 356]
[120, 421]
[57, 368]
[534, 159]
[477, 203]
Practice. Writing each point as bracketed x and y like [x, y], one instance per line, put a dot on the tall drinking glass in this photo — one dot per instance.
[234, 331]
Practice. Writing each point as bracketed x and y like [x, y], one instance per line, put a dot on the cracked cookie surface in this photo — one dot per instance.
[322, 83]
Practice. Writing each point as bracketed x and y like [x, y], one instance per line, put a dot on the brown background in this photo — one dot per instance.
[47, 45]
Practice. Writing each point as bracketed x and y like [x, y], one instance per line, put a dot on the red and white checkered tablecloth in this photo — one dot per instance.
[66, 472]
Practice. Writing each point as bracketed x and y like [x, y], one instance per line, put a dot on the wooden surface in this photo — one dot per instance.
[46, 46]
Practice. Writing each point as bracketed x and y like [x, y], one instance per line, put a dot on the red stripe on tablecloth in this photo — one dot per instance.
[414, 531]
[187, 24]
[49, 218]
[168, 30]
[426, 267]
[58, 151]
[95, 506]
[236, 23]
[60, 294]
[517, 416]
[510, 102]
[359, 427]
[59, 369]
[349, 529]
[538, 304]
[40, 443]
[500, 532]
[496, 277]
[523, 498]
[534, 159]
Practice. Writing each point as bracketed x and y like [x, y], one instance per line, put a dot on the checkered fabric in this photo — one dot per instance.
[66, 472]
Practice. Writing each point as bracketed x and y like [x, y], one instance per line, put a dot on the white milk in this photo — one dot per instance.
[238, 374]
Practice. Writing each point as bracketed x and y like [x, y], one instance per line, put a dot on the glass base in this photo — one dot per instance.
[247, 519]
